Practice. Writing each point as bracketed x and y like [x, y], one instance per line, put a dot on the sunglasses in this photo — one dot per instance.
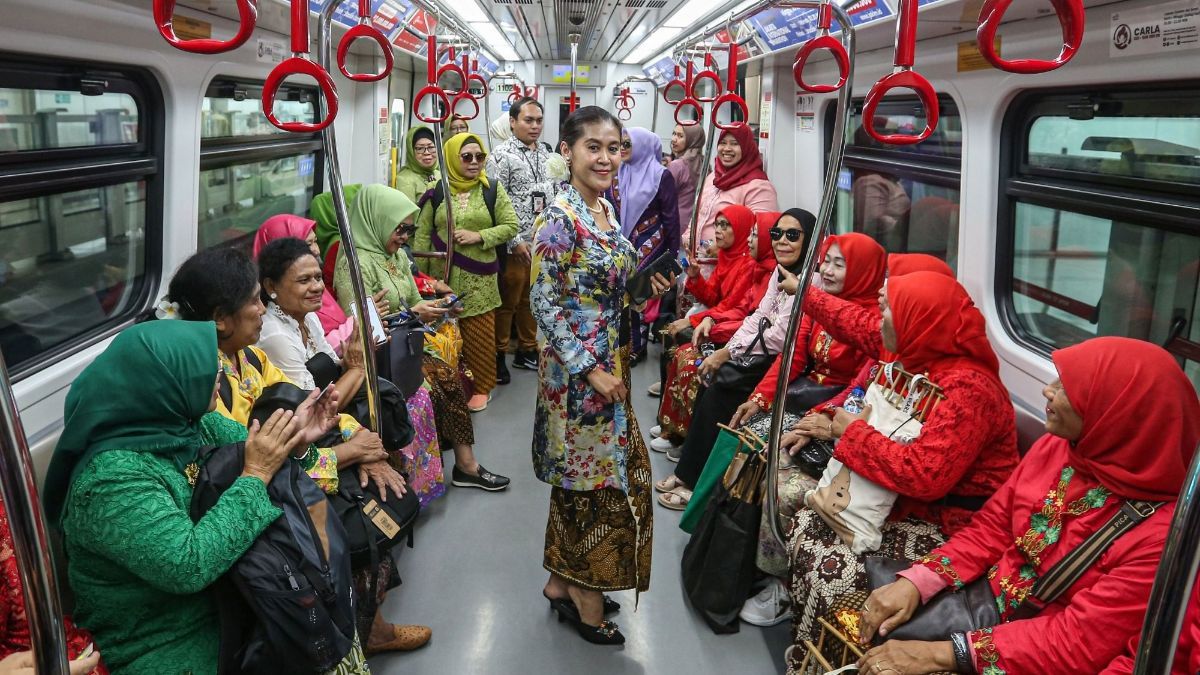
[625, 145]
[468, 157]
[406, 229]
[778, 233]
[425, 149]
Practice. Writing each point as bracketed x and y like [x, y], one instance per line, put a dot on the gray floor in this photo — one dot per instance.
[475, 577]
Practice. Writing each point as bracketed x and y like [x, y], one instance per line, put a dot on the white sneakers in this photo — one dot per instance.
[661, 445]
[654, 390]
[771, 606]
[656, 431]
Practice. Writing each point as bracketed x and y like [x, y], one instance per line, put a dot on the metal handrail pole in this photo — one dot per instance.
[828, 200]
[447, 197]
[329, 145]
[709, 143]
[1174, 581]
[35, 565]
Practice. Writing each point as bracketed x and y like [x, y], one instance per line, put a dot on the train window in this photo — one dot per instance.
[236, 199]
[40, 119]
[80, 204]
[905, 197]
[249, 170]
[1097, 238]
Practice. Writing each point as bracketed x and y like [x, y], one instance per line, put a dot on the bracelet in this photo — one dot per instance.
[963, 663]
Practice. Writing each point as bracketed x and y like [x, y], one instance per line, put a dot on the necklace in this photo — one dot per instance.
[595, 210]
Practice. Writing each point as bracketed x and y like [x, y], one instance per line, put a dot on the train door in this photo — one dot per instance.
[558, 107]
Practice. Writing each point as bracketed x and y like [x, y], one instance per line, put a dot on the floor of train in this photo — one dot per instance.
[475, 576]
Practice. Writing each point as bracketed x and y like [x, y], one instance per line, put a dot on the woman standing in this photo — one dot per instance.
[687, 144]
[586, 442]
[420, 163]
[478, 230]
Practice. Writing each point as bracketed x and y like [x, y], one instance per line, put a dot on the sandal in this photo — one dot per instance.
[669, 484]
[404, 638]
[676, 500]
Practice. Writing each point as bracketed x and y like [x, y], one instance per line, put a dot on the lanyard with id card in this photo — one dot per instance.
[537, 202]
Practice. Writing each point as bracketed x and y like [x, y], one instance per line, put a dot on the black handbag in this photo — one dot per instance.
[395, 428]
[718, 566]
[814, 457]
[803, 395]
[973, 607]
[399, 359]
[743, 373]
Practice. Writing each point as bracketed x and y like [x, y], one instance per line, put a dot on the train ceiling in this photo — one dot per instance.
[613, 29]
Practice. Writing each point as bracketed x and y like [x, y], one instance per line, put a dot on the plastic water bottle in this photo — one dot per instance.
[854, 402]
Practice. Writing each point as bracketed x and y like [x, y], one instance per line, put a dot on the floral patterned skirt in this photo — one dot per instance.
[421, 460]
[824, 570]
[680, 390]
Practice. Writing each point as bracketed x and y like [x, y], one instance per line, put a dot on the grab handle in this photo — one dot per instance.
[675, 83]
[474, 76]
[372, 33]
[823, 40]
[709, 73]
[164, 16]
[903, 77]
[299, 64]
[1071, 16]
[465, 96]
[455, 69]
[431, 88]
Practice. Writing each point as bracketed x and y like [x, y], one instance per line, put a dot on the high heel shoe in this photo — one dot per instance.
[607, 633]
[610, 606]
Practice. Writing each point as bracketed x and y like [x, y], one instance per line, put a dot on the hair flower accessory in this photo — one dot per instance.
[557, 167]
[166, 309]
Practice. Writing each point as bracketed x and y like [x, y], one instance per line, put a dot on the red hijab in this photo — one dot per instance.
[866, 263]
[748, 168]
[280, 226]
[741, 219]
[937, 325]
[1108, 378]
[900, 264]
[765, 254]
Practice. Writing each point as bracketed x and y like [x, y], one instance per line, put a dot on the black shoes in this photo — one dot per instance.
[502, 374]
[486, 480]
[606, 633]
[526, 360]
[610, 606]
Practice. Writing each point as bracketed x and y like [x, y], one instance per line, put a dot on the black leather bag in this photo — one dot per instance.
[743, 373]
[814, 457]
[399, 360]
[803, 395]
[973, 607]
[395, 428]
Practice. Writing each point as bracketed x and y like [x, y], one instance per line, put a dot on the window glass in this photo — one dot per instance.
[236, 199]
[906, 115]
[70, 262]
[227, 117]
[1078, 276]
[1154, 140]
[904, 215]
[44, 119]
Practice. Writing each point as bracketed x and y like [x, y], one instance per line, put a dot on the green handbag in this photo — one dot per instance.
[729, 444]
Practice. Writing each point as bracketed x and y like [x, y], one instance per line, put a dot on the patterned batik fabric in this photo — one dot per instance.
[355, 663]
[479, 349]
[792, 485]
[602, 539]
[370, 589]
[421, 460]
[454, 427]
[680, 392]
[580, 441]
[825, 569]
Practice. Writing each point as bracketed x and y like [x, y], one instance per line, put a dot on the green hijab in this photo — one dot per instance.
[410, 151]
[321, 210]
[374, 216]
[145, 393]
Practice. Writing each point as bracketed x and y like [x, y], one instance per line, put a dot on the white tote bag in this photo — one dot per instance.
[853, 506]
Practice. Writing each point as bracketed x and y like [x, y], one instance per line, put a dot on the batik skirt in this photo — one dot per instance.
[679, 393]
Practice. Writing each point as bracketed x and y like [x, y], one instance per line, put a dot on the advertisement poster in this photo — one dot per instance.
[782, 28]
[1161, 28]
[661, 71]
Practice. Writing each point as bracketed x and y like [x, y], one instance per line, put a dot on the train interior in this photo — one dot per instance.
[1065, 201]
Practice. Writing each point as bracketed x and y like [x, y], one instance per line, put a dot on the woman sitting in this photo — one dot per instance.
[222, 285]
[1070, 485]
[334, 323]
[329, 237]
[16, 657]
[478, 230]
[726, 289]
[138, 564]
[290, 277]
[966, 449]
[379, 220]
[737, 178]
[761, 336]
[420, 163]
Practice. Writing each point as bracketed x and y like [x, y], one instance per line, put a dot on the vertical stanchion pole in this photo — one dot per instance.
[35, 566]
[828, 200]
[329, 145]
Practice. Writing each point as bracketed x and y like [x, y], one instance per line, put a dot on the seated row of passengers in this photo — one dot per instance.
[968, 504]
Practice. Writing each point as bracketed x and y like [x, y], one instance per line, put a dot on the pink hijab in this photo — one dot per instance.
[333, 319]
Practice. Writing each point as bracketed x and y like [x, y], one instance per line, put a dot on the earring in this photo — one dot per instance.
[274, 295]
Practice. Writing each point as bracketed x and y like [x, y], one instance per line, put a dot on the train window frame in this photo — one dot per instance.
[220, 152]
[1155, 205]
[937, 170]
[46, 172]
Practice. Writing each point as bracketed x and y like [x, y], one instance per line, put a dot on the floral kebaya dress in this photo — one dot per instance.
[591, 452]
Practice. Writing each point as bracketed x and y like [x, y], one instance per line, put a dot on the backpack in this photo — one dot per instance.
[286, 606]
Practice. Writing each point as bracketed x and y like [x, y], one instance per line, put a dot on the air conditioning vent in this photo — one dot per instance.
[646, 4]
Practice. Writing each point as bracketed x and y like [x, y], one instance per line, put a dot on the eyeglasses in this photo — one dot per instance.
[778, 233]
[406, 229]
[626, 145]
[468, 157]
[424, 149]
